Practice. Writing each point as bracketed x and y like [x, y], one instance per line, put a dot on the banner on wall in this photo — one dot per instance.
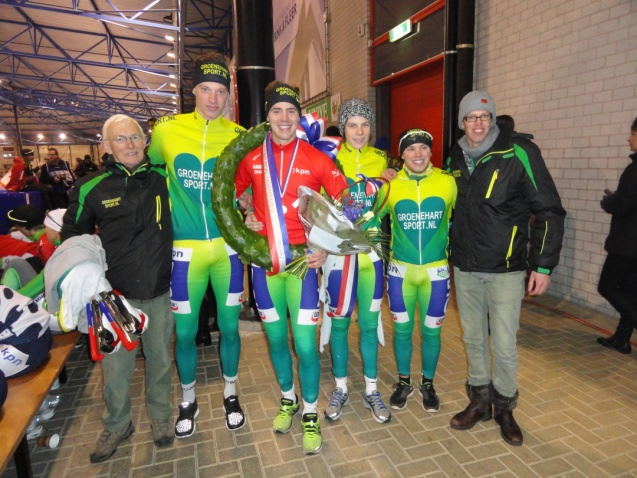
[326, 108]
[300, 44]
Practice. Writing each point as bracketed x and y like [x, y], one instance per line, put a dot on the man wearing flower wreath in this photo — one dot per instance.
[356, 278]
[420, 202]
[275, 170]
[189, 145]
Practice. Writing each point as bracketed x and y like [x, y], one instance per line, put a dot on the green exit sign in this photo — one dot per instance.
[400, 31]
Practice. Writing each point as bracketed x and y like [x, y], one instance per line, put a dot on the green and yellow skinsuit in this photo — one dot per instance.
[189, 145]
[368, 286]
[420, 208]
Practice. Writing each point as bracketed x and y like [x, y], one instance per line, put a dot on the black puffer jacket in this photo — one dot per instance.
[622, 238]
[491, 220]
[131, 213]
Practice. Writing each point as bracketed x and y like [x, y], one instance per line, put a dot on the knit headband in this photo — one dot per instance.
[282, 93]
[211, 70]
[414, 136]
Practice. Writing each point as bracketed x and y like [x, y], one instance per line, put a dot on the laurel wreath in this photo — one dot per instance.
[251, 246]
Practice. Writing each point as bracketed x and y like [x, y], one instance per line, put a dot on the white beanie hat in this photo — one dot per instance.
[53, 219]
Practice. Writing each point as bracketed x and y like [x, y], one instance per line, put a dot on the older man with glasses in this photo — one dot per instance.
[502, 180]
[127, 202]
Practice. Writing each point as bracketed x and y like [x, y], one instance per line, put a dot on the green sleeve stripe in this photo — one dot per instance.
[85, 189]
[524, 158]
[541, 270]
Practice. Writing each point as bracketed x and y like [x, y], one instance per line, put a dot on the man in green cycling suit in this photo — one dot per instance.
[420, 202]
[360, 275]
[189, 145]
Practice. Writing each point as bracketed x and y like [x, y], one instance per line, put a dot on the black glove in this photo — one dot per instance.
[606, 201]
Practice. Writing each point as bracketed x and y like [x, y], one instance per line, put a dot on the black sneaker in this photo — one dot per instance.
[185, 424]
[402, 391]
[430, 400]
[235, 418]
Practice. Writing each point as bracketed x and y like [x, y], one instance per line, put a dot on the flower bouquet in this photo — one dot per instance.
[338, 227]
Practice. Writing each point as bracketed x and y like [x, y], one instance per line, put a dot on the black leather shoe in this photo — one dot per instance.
[612, 343]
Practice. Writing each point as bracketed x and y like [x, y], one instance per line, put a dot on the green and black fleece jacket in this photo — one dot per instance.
[131, 213]
[490, 226]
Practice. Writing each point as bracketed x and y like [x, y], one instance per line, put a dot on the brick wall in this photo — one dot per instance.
[348, 56]
[566, 72]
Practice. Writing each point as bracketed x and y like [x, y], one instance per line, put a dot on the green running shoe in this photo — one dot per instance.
[283, 421]
[312, 439]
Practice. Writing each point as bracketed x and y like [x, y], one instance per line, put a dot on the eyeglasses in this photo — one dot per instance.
[51, 154]
[121, 139]
[474, 118]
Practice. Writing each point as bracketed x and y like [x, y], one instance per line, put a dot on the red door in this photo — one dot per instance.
[416, 102]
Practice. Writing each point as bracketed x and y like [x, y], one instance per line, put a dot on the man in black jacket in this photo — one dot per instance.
[618, 280]
[127, 202]
[56, 175]
[501, 181]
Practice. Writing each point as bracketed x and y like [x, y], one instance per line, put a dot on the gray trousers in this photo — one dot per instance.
[491, 302]
[118, 368]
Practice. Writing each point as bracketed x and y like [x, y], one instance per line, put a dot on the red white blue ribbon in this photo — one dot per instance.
[372, 185]
[311, 129]
[277, 230]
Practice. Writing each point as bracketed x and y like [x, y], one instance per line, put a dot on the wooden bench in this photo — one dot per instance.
[26, 395]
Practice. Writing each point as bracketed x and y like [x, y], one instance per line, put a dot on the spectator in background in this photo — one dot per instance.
[85, 166]
[382, 143]
[507, 122]
[128, 203]
[26, 274]
[56, 174]
[31, 181]
[618, 279]
[333, 131]
[20, 172]
[151, 124]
